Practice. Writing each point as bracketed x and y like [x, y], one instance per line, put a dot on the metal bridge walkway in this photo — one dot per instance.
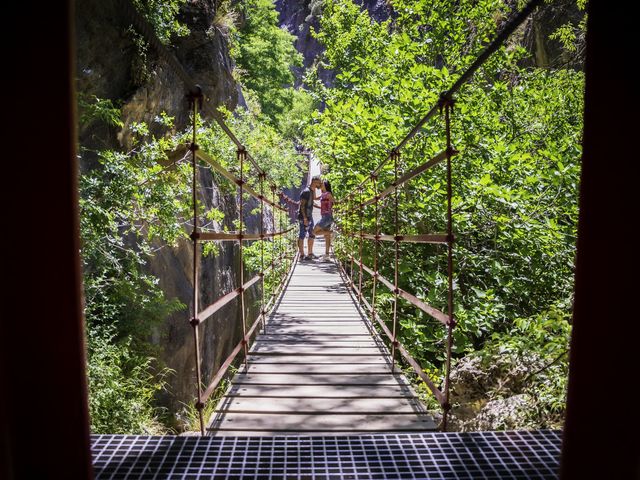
[319, 368]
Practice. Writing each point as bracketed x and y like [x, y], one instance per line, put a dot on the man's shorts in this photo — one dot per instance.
[308, 230]
[326, 222]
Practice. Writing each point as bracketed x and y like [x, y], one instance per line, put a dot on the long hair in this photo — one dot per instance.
[327, 185]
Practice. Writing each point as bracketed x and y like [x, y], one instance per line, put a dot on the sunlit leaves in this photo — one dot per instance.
[514, 182]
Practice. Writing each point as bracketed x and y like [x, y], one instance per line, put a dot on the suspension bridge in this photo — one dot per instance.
[322, 385]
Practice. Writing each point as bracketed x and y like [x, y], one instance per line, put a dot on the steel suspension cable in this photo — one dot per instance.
[360, 214]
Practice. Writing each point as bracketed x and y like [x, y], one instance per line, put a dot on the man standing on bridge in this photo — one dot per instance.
[305, 218]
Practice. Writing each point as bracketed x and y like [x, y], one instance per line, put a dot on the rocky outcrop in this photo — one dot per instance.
[299, 17]
[491, 396]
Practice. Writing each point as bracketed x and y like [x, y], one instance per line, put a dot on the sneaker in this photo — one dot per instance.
[311, 256]
[326, 258]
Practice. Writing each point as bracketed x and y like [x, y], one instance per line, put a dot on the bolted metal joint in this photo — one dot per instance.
[240, 289]
[195, 235]
[446, 406]
[195, 321]
[451, 151]
[445, 100]
[398, 238]
[451, 238]
[193, 147]
[195, 95]
[240, 182]
[452, 321]
[396, 343]
[396, 291]
[244, 341]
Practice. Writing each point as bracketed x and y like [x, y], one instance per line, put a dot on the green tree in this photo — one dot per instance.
[514, 181]
[265, 54]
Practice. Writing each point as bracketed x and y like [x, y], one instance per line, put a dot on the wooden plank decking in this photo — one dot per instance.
[319, 369]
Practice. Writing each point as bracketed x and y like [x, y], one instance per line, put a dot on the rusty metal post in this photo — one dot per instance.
[195, 101]
[242, 155]
[262, 240]
[360, 215]
[352, 247]
[396, 155]
[448, 105]
[376, 245]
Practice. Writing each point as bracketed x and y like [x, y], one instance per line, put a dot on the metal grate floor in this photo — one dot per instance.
[474, 455]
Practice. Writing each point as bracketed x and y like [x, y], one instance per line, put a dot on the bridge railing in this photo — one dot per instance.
[352, 212]
[282, 252]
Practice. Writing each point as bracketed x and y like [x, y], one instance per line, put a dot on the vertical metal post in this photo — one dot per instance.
[376, 245]
[195, 99]
[262, 240]
[283, 250]
[451, 323]
[352, 247]
[360, 214]
[242, 154]
[396, 156]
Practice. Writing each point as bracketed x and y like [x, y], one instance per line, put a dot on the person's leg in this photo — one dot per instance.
[327, 243]
[311, 238]
[301, 236]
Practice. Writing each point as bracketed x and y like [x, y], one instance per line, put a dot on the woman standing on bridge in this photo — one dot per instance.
[326, 210]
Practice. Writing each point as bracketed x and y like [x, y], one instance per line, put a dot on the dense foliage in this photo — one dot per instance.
[514, 188]
[265, 54]
[514, 181]
[133, 204]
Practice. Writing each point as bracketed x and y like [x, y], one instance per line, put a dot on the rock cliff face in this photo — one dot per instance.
[111, 66]
[300, 16]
